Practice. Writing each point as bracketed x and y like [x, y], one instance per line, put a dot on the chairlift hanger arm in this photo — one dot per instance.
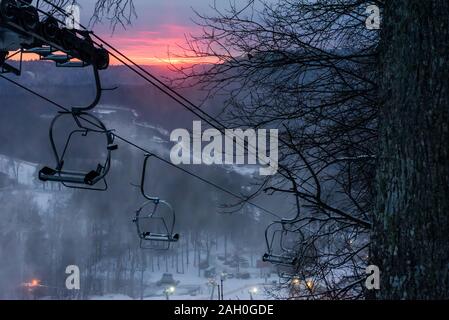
[267, 241]
[138, 147]
[142, 181]
[98, 90]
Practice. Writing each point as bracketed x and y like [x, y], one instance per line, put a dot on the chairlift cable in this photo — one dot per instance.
[136, 146]
[163, 87]
[176, 98]
[155, 81]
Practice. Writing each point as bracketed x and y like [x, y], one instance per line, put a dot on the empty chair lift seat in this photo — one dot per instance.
[279, 259]
[89, 178]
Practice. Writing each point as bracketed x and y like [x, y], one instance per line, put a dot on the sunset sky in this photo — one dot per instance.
[159, 28]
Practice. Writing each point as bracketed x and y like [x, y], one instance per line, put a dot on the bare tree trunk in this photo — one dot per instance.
[166, 263]
[177, 259]
[226, 247]
[182, 259]
[152, 263]
[142, 287]
[187, 251]
[132, 271]
[199, 258]
[208, 247]
[411, 227]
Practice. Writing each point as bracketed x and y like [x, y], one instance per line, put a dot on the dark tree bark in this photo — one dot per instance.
[411, 229]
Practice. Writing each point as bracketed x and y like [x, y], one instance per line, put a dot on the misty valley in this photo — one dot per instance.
[47, 227]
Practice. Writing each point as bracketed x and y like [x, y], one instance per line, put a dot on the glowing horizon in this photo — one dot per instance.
[150, 48]
[162, 47]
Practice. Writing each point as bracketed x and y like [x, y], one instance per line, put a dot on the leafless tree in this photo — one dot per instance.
[410, 242]
[116, 12]
[307, 68]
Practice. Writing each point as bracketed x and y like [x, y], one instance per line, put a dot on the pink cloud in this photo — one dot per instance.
[156, 47]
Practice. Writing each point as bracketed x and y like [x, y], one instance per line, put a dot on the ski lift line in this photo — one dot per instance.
[173, 94]
[35, 93]
[157, 239]
[161, 89]
[177, 97]
[186, 103]
[160, 85]
[136, 146]
[219, 126]
[213, 184]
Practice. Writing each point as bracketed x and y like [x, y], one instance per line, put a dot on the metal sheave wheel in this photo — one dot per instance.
[8, 8]
[29, 18]
[102, 59]
[50, 28]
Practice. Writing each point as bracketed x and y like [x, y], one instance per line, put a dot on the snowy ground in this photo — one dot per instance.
[22, 172]
[190, 286]
[198, 288]
[234, 289]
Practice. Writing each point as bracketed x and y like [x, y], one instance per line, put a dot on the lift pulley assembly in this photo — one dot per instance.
[25, 28]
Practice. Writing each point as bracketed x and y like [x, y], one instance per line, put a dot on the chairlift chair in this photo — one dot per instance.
[155, 230]
[278, 256]
[72, 178]
[22, 31]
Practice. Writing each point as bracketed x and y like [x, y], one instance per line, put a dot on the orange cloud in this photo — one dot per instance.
[160, 47]
[157, 47]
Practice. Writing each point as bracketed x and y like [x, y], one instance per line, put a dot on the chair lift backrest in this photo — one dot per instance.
[59, 154]
[282, 256]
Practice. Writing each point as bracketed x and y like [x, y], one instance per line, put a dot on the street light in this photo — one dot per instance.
[32, 284]
[310, 285]
[296, 282]
[222, 279]
[169, 291]
[253, 291]
[35, 283]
